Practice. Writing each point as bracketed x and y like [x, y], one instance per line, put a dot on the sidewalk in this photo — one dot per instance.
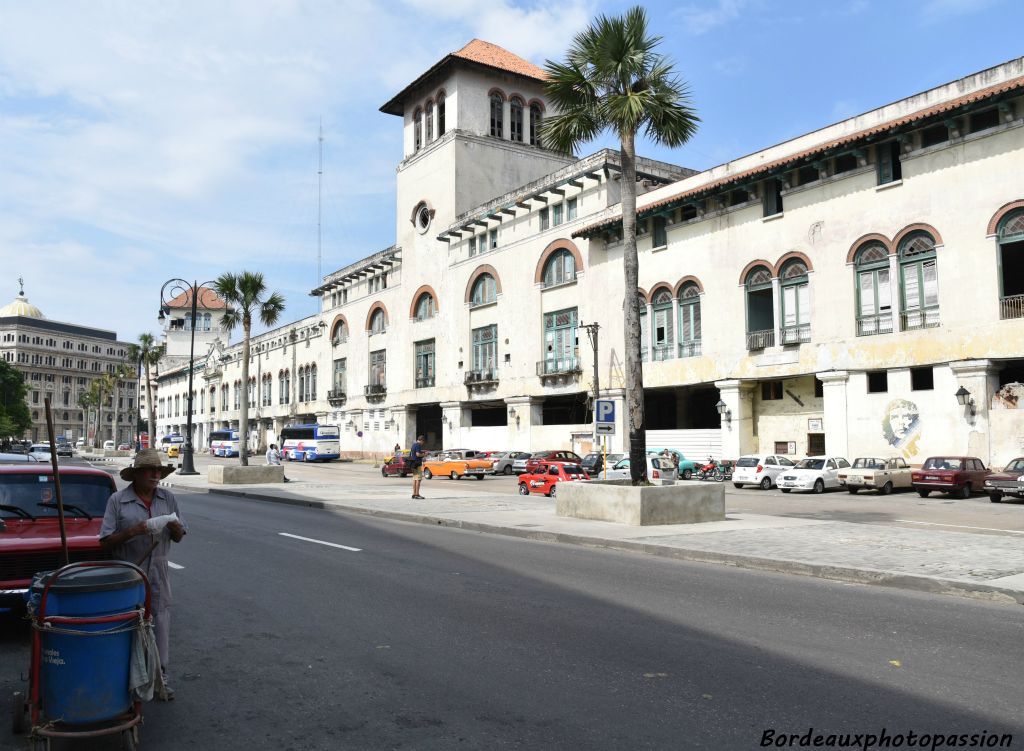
[973, 565]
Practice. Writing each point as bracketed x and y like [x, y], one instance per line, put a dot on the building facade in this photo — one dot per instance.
[60, 361]
[834, 292]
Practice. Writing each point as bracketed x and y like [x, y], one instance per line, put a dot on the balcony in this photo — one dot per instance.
[796, 334]
[375, 392]
[760, 339]
[876, 324]
[425, 383]
[336, 397]
[481, 377]
[558, 366]
[1011, 307]
[689, 348]
[922, 318]
[663, 352]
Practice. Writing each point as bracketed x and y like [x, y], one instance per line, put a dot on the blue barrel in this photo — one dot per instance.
[83, 672]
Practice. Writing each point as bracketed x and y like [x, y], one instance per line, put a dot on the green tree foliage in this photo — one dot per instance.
[15, 418]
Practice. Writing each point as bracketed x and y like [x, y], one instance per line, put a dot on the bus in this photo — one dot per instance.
[167, 440]
[311, 442]
[224, 442]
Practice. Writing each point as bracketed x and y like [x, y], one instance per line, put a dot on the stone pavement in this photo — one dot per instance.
[989, 566]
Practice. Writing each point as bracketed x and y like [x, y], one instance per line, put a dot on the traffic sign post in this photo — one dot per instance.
[604, 416]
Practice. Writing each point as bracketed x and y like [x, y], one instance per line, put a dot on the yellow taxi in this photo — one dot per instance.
[173, 451]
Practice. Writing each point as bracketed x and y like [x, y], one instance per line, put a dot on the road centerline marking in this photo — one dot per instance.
[172, 564]
[320, 542]
[962, 526]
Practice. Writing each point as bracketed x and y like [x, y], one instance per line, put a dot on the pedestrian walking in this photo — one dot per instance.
[139, 525]
[415, 463]
[273, 455]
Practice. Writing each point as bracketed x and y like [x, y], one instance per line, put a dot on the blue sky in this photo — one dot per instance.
[144, 140]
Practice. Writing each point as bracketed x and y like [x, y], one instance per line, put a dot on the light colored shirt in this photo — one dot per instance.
[273, 456]
[125, 510]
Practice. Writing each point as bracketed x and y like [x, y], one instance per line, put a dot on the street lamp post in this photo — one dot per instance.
[176, 288]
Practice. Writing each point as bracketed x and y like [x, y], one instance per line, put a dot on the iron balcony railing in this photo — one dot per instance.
[425, 382]
[1011, 307]
[375, 389]
[336, 395]
[880, 323]
[689, 348]
[796, 334]
[484, 375]
[556, 282]
[558, 366]
[663, 352]
[922, 318]
[760, 339]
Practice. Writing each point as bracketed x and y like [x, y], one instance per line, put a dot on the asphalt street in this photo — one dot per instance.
[395, 635]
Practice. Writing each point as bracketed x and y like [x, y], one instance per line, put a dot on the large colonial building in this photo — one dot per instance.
[60, 361]
[835, 292]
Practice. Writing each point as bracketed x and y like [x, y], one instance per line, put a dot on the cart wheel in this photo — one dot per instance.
[18, 725]
[130, 739]
[39, 744]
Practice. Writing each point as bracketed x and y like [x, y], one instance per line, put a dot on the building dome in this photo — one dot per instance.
[20, 306]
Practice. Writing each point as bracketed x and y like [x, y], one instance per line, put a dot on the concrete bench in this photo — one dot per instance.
[228, 474]
[619, 501]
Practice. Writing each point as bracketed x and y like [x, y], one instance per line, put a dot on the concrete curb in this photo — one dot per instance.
[873, 577]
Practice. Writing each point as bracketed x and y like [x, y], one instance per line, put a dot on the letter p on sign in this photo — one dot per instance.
[605, 410]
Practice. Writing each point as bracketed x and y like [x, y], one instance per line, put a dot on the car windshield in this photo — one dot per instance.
[27, 491]
[591, 459]
[944, 462]
[868, 464]
[1017, 465]
[624, 464]
[747, 461]
[573, 469]
[810, 464]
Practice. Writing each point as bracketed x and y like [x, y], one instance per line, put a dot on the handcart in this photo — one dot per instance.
[84, 618]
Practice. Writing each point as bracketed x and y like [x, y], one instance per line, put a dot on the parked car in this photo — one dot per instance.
[560, 455]
[64, 449]
[108, 445]
[30, 541]
[124, 447]
[685, 468]
[594, 462]
[519, 463]
[174, 451]
[456, 464]
[501, 464]
[547, 476]
[12, 458]
[396, 465]
[959, 475]
[883, 475]
[1008, 482]
[657, 471]
[759, 469]
[80, 444]
[815, 473]
[40, 451]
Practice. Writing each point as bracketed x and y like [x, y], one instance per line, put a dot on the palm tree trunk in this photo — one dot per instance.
[150, 408]
[631, 318]
[243, 420]
[117, 411]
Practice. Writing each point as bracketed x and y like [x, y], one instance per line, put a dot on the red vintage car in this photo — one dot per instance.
[1009, 482]
[547, 476]
[396, 465]
[560, 455]
[30, 531]
[959, 475]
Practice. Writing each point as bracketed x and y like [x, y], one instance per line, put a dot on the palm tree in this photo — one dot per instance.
[99, 390]
[121, 373]
[246, 295]
[612, 80]
[85, 403]
[147, 353]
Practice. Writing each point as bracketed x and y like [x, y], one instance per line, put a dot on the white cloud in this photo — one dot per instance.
[935, 11]
[731, 66]
[700, 18]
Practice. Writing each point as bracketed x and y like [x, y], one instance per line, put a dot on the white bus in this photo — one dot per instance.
[167, 440]
[224, 442]
[311, 442]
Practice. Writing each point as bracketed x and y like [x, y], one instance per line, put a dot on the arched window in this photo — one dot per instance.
[689, 320]
[429, 115]
[378, 323]
[312, 383]
[497, 121]
[340, 335]
[874, 289]
[440, 114]
[302, 384]
[1011, 263]
[560, 268]
[645, 326]
[485, 290]
[796, 304]
[424, 307]
[515, 116]
[417, 129]
[760, 308]
[919, 282]
[664, 333]
[535, 118]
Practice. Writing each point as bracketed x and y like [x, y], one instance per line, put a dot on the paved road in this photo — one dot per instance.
[436, 638]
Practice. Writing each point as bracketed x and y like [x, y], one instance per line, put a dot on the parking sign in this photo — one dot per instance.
[604, 415]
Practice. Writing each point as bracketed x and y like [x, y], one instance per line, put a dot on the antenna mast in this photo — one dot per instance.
[319, 205]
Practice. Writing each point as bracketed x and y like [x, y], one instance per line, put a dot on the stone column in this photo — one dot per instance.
[777, 311]
[738, 422]
[837, 433]
[451, 424]
[523, 413]
[894, 291]
[405, 425]
[972, 420]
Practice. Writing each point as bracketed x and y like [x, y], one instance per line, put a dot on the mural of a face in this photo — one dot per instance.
[901, 424]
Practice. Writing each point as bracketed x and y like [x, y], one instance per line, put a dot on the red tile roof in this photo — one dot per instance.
[208, 300]
[937, 109]
[494, 56]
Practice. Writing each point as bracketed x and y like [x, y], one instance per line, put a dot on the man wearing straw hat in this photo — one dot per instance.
[139, 525]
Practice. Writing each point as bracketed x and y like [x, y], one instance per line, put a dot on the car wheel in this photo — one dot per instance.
[737, 485]
[964, 492]
[554, 489]
[852, 489]
[886, 489]
[454, 475]
[819, 487]
[508, 469]
[523, 489]
[687, 474]
[427, 474]
[383, 473]
[785, 490]
[995, 497]
[766, 483]
[923, 493]
[479, 477]
[18, 724]
[405, 474]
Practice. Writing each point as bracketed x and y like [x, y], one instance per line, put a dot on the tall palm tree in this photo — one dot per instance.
[121, 373]
[99, 390]
[612, 80]
[147, 354]
[246, 296]
[86, 403]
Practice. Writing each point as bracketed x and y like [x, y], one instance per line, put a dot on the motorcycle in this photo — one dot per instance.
[714, 470]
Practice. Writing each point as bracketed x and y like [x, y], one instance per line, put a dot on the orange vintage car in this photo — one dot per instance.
[456, 464]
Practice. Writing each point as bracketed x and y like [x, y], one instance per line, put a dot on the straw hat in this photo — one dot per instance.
[146, 459]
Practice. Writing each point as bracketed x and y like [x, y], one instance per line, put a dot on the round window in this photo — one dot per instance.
[423, 216]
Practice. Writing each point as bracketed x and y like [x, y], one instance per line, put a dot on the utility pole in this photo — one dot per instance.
[592, 334]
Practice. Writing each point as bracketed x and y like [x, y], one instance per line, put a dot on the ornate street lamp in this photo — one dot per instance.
[176, 288]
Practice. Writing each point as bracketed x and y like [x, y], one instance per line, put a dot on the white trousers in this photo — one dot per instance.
[162, 631]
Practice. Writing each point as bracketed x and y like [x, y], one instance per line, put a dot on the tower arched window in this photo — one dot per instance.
[378, 323]
[535, 118]
[429, 116]
[497, 116]
[760, 308]
[424, 307]
[440, 114]
[559, 268]
[796, 304]
[919, 282]
[417, 129]
[874, 289]
[515, 117]
[340, 335]
[484, 291]
[664, 331]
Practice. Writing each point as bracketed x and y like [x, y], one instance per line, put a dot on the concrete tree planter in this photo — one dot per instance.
[227, 474]
[619, 501]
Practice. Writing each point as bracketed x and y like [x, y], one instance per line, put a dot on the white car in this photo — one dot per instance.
[502, 463]
[656, 471]
[814, 474]
[759, 469]
[519, 463]
[41, 451]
